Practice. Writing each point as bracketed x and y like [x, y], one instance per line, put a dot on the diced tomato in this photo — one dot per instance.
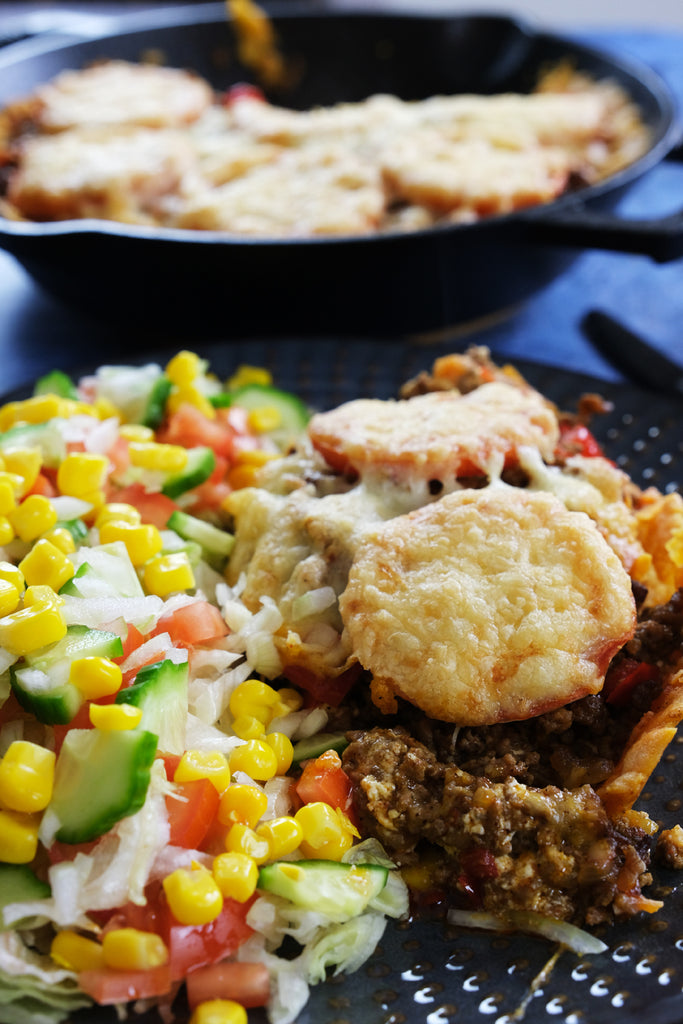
[191, 428]
[153, 506]
[623, 677]
[576, 439]
[108, 987]
[171, 762]
[42, 485]
[323, 690]
[119, 456]
[242, 90]
[192, 947]
[81, 720]
[244, 983]
[196, 623]
[68, 851]
[189, 946]
[191, 814]
[325, 779]
[133, 639]
[209, 497]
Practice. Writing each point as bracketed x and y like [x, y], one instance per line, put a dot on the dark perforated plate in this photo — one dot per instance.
[425, 972]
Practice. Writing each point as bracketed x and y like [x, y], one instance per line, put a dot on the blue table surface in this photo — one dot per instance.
[38, 333]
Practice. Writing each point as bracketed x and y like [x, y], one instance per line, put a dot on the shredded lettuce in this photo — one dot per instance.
[566, 934]
[33, 989]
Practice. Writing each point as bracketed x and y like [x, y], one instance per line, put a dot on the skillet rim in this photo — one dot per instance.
[204, 14]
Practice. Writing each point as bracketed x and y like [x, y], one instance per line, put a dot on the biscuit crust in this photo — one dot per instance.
[487, 606]
[437, 436]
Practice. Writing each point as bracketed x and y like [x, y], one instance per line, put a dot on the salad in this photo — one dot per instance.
[166, 814]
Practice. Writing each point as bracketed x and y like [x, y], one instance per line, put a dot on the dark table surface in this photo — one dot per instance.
[38, 333]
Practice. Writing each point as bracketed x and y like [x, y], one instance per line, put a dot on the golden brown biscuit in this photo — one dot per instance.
[487, 606]
[437, 436]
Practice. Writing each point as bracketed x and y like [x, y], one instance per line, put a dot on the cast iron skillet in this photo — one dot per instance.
[397, 283]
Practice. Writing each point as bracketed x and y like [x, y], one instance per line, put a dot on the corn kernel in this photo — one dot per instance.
[117, 511]
[33, 517]
[283, 834]
[188, 394]
[242, 803]
[136, 432]
[246, 374]
[241, 476]
[8, 494]
[263, 419]
[242, 839]
[167, 458]
[252, 697]
[184, 368]
[38, 409]
[62, 539]
[18, 836]
[81, 473]
[219, 1011]
[193, 896]
[27, 774]
[255, 457]
[248, 727]
[115, 717]
[8, 415]
[32, 627]
[236, 875]
[7, 533]
[200, 764]
[9, 598]
[12, 574]
[129, 949]
[283, 749]
[105, 409]
[39, 595]
[75, 952]
[326, 836]
[95, 677]
[168, 574]
[256, 758]
[25, 463]
[46, 564]
[143, 541]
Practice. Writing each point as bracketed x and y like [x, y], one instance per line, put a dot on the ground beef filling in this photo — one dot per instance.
[501, 845]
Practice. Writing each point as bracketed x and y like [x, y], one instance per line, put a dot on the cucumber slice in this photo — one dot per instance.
[215, 544]
[338, 890]
[51, 703]
[156, 402]
[100, 778]
[293, 413]
[41, 683]
[200, 465]
[160, 691]
[79, 642]
[56, 383]
[19, 884]
[314, 746]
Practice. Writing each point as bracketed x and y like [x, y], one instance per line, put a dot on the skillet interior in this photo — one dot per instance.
[341, 56]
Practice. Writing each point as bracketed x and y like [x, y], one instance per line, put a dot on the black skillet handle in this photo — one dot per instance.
[574, 225]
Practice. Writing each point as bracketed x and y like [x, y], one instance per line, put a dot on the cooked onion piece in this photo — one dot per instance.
[487, 606]
[437, 436]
